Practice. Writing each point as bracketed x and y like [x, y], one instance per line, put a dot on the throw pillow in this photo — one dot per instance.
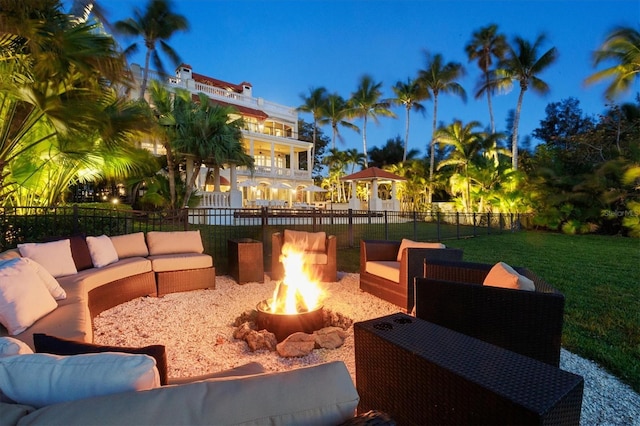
[417, 244]
[58, 346]
[102, 251]
[79, 251]
[24, 298]
[503, 275]
[130, 245]
[12, 346]
[55, 256]
[51, 283]
[173, 242]
[44, 379]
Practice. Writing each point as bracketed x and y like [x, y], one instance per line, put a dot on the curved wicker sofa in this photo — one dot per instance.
[149, 265]
[218, 398]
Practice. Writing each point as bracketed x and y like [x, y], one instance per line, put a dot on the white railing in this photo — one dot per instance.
[215, 199]
[271, 108]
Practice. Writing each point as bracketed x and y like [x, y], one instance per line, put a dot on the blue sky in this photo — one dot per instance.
[283, 48]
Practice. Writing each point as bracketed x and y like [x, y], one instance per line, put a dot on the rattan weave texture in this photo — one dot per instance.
[422, 373]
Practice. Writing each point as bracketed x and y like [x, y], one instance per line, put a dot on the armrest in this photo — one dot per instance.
[332, 246]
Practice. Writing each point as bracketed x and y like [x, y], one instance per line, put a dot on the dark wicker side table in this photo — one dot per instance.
[421, 373]
[246, 263]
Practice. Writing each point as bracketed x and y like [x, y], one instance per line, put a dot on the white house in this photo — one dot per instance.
[270, 136]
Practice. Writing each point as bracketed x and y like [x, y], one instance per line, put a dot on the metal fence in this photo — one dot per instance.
[217, 226]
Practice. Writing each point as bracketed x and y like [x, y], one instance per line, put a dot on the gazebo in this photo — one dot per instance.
[374, 175]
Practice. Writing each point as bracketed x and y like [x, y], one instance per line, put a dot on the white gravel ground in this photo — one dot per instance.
[196, 328]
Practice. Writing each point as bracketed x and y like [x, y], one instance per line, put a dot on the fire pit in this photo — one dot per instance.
[283, 325]
[296, 302]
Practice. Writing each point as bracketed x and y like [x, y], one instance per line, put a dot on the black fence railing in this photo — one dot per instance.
[217, 226]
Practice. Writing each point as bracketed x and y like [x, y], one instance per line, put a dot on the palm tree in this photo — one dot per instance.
[409, 95]
[155, 25]
[336, 112]
[437, 78]
[621, 46]
[337, 162]
[366, 102]
[314, 104]
[485, 45]
[467, 144]
[523, 64]
[206, 134]
[354, 158]
[164, 105]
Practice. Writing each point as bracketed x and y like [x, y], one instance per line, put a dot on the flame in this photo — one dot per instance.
[298, 291]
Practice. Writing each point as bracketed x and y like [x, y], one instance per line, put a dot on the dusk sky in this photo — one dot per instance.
[283, 48]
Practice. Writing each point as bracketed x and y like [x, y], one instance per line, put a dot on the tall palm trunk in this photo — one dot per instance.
[516, 123]
[493, 124]
[432, 154]
[171, 174]
[145, 74]
[406, 134]
[364, 142]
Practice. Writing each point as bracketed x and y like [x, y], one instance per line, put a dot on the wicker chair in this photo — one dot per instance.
[526, 322]
[326, 269]
[411, 265]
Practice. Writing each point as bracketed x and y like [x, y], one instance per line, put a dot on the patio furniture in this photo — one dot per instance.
[387, 277]
[246, 263]
[421, 373]
[319, 249]
[527, 322]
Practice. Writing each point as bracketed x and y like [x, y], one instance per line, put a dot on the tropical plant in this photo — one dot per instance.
[413, 191]
[335, 112]
[409, 94]
[621, 46]
[467, 144]
[438, 77]
[156, 24]
[366, 102]
[164, 105]
[392, 152]
[336, 160]
[207, 136]
[485, 46]
[524, 64]
[59, 121]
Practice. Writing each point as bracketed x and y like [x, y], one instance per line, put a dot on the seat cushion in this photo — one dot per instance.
[95, 277]
[180, 262]
[387, 269]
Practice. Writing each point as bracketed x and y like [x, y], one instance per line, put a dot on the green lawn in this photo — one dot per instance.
[599, 276]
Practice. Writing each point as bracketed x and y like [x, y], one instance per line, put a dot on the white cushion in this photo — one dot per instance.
[55, 256]
[174, 242]
[49, 281]
[503, 275]
[417, 244]
[24, 298]
[102, 251]
[11, 346]
[43, 379]
[130, 245]
[322, 394]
